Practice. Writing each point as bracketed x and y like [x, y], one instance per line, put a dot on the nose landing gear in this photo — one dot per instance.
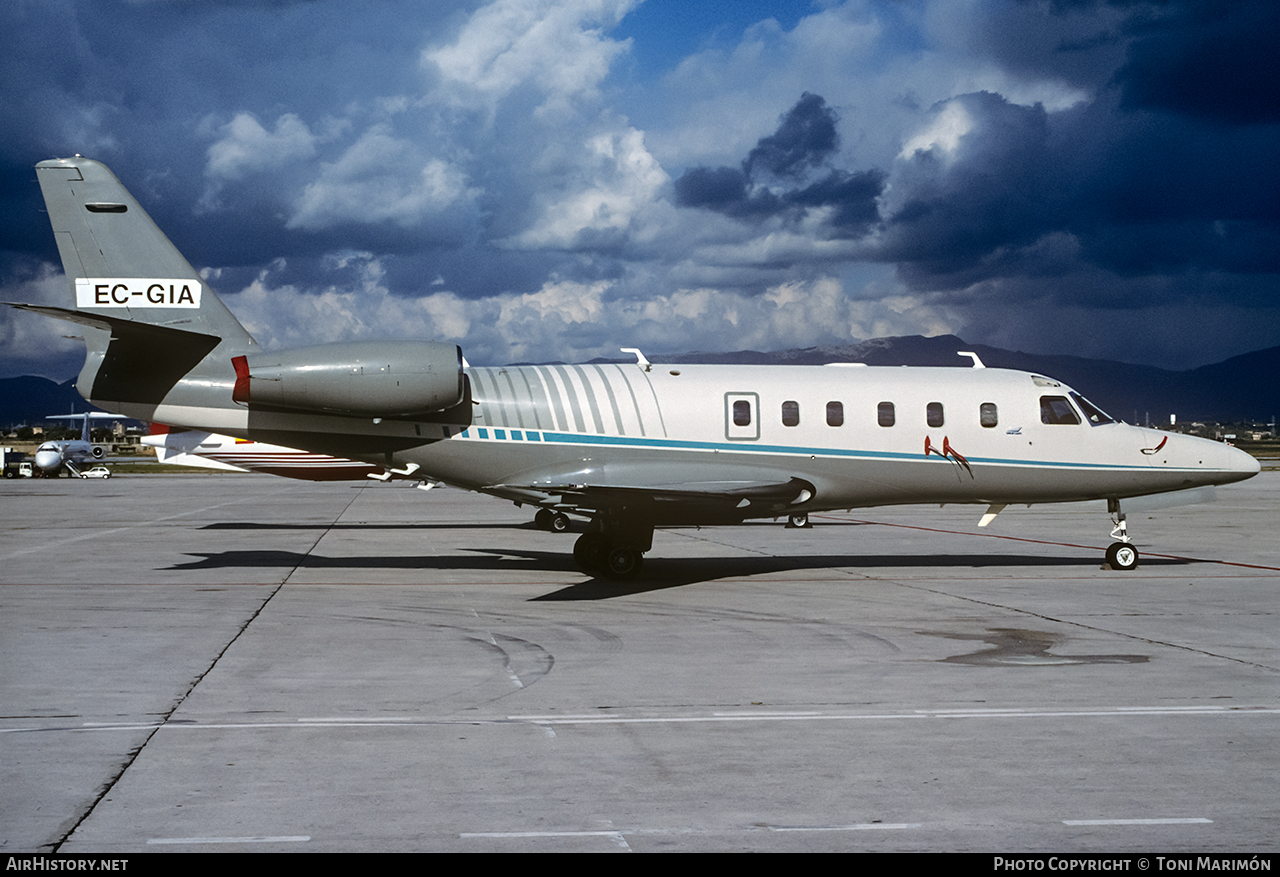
[1121, 554]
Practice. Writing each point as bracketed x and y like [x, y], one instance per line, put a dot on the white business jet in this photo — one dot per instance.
[630, 447]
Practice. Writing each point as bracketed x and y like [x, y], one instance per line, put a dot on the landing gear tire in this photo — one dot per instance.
[555, 522]
[1122, 555]
[591, 553]
[623, 563]
[798, 521]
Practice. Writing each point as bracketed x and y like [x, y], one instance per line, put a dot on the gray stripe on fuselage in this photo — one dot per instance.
[589, 391]
[613, 401]
[534, 403]
[648, 385]
[479, 393]
[491, 405]
[635, 403]
[552, 389]
[513, 400]
[572, 395]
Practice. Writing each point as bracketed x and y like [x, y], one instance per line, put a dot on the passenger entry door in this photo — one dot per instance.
[741, 416]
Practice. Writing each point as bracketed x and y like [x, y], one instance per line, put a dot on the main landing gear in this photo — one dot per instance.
[1121, 554]
[615, 541]
[596, 555]
[555, 522]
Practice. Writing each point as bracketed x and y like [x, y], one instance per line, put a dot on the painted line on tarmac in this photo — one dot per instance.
[1189, 820]
[284, 838]
[857, 826]
[714, 717]
[613, 835]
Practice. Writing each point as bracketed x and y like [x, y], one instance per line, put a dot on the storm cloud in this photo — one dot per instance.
[553, 179]
[776, 177]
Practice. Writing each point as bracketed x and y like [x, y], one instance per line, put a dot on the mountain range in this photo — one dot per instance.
[1242, 388]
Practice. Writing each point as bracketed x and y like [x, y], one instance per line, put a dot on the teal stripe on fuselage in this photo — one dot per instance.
[569, 438]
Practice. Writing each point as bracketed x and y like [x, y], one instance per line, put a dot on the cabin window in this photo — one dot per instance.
[987, 414]
[790, 413]
[835, 414]
[1057, 410]
[741, 413]
[884, 414]
[933, 413]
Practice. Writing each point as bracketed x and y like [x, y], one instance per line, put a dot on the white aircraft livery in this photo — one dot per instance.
[204, 450]
[72, 454]
[630, 447]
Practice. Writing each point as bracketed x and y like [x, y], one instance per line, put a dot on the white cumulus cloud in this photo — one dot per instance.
[246, 146]
[614, 181]
[557, 47]
[379, 178]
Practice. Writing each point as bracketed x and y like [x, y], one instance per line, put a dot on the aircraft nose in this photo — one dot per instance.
[47, 458]
[1246, 464]
[1233, 463]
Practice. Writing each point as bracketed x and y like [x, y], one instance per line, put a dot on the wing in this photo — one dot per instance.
[709, 502]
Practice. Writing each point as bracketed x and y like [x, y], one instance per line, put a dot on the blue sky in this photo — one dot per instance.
[553, 179]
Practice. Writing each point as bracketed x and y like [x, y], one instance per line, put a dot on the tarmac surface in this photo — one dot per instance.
[241, 662]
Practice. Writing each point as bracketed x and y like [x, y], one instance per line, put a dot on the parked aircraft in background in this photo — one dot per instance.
[630, 446]
[74, 454]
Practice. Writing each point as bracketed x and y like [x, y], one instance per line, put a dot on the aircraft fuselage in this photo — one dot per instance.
[861, 436]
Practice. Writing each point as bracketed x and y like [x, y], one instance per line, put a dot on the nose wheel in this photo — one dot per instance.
[1121, 554]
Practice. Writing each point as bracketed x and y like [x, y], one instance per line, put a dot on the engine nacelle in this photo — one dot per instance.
[362, 378]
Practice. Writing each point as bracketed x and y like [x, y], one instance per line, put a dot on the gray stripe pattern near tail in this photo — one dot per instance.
[605, 399]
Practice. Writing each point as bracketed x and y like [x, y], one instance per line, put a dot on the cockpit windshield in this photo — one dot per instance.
[1092, 413]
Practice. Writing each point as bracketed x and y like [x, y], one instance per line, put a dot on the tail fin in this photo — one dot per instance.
[151, 319]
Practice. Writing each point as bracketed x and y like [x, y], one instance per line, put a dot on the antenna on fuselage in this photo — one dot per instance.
[640, 360]
[977, 363]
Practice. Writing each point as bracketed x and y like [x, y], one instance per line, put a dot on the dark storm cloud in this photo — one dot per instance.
[143, 87]
[339, 164]
[1165, 166]
[804, 141]
[1135, 194]
[996, 187]
[1210, 60]
[716, 188]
